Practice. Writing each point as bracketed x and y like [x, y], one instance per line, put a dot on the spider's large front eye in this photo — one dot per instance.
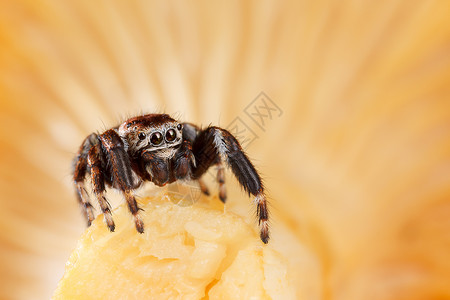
[141, 135]
[156, 138]
[170, 135]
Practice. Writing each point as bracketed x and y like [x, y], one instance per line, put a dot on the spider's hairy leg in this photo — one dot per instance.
[98, 183]
[213, 143]
[231, 151]
[79, 175]
[122, 174]
[134, 209]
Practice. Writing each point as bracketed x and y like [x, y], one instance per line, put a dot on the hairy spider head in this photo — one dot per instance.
[151, 132]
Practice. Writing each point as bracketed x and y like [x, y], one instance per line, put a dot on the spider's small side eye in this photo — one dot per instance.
[141, 135]
[170, 135]
[156, 138]
[179, 126]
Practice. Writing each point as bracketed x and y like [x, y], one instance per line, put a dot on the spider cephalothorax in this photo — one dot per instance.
[157, 148]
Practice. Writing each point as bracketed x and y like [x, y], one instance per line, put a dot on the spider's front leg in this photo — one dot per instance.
[216, 144]
[121, 172]
[79, 176]
[98, 182]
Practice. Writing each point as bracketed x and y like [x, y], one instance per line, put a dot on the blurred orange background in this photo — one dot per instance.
[356, 159]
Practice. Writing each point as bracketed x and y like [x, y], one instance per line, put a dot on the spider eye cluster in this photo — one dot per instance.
[158, 137]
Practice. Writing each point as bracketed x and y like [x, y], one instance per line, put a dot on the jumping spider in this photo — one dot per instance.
[157, 148]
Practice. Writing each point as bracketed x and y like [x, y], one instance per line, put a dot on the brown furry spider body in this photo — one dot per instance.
[159, 149]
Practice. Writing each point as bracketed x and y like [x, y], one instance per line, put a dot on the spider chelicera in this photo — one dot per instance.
[157, 148]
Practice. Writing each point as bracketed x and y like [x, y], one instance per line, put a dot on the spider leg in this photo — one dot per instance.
[98, 183]
[215, 143]
[221, 181]
[121, 172]
[79, 176]
[203, 186]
